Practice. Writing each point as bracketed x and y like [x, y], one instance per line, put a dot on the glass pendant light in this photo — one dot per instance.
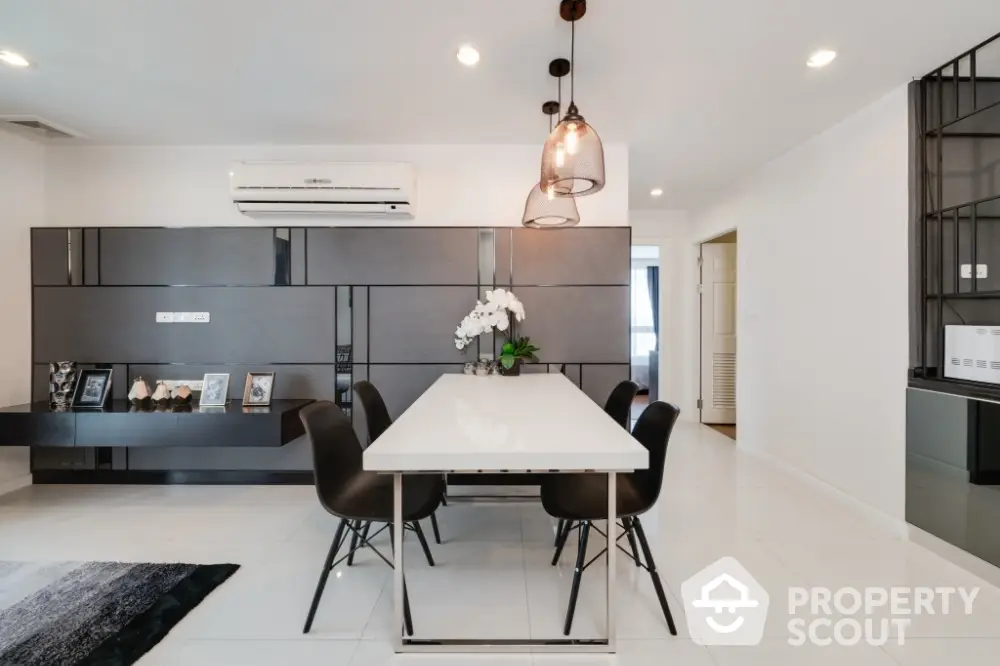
[573, 156]
[543, 209]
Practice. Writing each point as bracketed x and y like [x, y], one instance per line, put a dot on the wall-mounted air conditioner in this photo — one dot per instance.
[324, 188]
[973, 353]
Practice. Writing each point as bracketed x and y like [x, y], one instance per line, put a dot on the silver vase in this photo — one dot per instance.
[62, 382]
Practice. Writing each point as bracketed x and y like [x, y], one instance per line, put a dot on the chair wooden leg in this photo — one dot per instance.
[629, 528]
[434, 526]
[423, 542]
[581, 558]
[657, 585]
[564, 527]
[354, 542]
[334, 547]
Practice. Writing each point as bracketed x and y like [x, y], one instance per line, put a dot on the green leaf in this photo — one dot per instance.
[507, 361]
[508, 348]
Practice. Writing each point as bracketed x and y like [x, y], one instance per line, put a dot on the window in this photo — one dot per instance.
[643, 334]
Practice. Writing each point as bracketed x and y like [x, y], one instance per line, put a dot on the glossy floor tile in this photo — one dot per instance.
[493, 577]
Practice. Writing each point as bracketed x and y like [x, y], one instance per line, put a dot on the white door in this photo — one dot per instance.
[718, 333]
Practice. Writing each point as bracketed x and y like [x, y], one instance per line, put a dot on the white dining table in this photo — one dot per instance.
[538, 423]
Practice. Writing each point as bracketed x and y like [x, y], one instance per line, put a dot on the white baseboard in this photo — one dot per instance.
[16, 483]
[895, 526]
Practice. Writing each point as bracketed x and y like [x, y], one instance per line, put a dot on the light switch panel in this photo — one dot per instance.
[966, 271]
[164, 317]
[981, 271]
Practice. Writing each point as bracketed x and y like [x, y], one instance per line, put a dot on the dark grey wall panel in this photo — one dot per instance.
[599, 380]
[264, 324]
[581, 255]
[187, 256]
[393, 256]
[290, 381]
[92, 256]
[360, 333]
[76, 256]
[293, 456]
[401, 385]
[574, 324]
[298, 256]
[502, 251]
[417, 324]
[49, 257]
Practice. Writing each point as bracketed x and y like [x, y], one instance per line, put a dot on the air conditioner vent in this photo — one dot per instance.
[41, 127]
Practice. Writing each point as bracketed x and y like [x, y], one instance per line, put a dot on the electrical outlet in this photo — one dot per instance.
[965, 271]
[200, 317]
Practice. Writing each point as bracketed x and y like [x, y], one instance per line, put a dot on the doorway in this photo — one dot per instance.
[717, 288]
[644, 324]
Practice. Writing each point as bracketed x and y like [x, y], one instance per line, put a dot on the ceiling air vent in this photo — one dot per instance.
[41, 127]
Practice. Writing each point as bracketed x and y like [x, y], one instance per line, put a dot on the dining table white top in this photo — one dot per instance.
[531, 423]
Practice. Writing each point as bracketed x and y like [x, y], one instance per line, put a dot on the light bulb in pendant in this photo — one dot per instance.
[560, 156]
[572, 139]
[551, 192]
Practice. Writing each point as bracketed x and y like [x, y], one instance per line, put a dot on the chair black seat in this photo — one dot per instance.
[368, 496]
[579, 499]
[585, 496]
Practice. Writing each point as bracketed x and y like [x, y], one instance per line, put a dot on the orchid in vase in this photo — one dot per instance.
[496, 313]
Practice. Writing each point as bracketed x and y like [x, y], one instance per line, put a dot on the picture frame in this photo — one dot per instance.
[92, 389]
[258, 389]
[214, 390]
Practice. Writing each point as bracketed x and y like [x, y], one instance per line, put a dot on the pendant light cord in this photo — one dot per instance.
[558, 97]
[572, 59]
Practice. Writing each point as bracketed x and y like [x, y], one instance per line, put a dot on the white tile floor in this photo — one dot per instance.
[493, 577]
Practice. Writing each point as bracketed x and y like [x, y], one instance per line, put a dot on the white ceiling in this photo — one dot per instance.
[701, 90]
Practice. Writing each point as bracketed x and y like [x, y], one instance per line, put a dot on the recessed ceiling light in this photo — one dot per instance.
[13, 59]
[821, 58]
[656, 192]
[467, 55]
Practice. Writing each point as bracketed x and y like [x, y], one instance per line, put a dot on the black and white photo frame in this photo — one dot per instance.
[214, 390]
[92, 388]
[258, 390]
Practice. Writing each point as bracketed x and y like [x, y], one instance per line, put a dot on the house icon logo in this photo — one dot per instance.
[725, 605]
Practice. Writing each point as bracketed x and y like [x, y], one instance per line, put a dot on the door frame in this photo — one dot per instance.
[699, 346]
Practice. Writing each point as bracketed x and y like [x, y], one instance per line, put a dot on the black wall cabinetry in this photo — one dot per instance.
[322, 307]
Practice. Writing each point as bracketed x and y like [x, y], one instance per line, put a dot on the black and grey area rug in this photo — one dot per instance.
[82, 613]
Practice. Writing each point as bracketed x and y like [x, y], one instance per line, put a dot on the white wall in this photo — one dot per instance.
[822, 304]
[189, 186]
[670, 231]
[21, 201]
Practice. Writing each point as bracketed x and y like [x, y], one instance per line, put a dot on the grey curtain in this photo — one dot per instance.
[653, 282]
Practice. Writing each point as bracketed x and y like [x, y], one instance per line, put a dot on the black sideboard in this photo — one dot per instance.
[122, 424]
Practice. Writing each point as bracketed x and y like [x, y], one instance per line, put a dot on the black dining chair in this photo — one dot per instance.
[378, 421]
[579, 499]
[618, 407]
[355, 496]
